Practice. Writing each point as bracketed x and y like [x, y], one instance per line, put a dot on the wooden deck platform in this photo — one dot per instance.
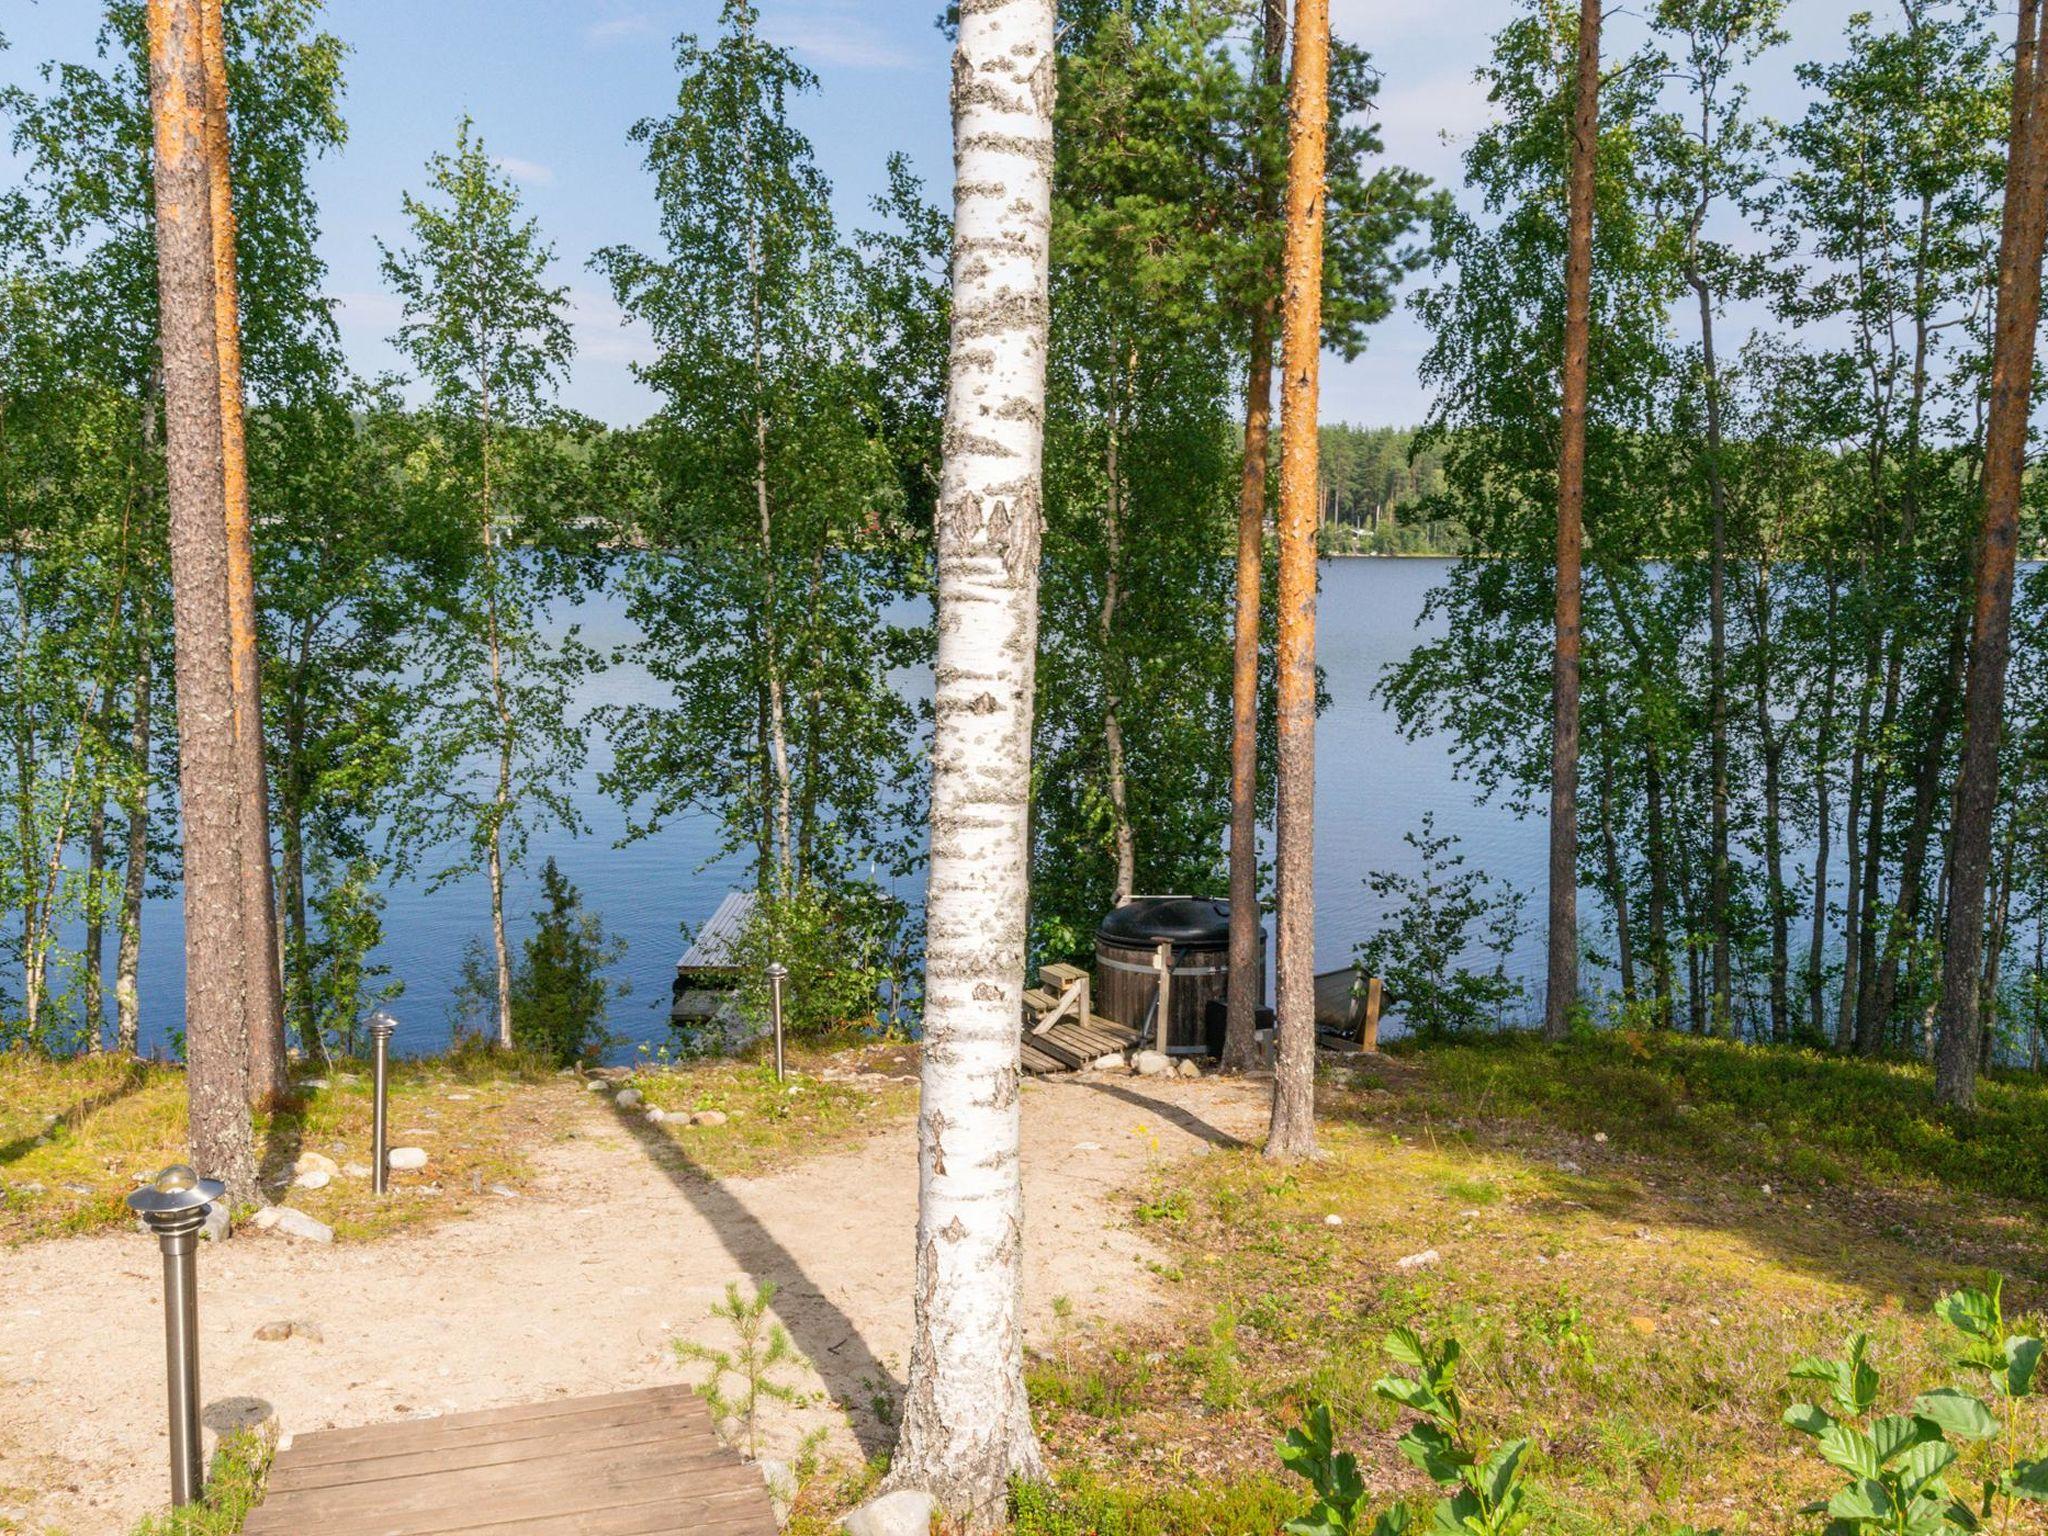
[642, 1463]
[1070, 1045]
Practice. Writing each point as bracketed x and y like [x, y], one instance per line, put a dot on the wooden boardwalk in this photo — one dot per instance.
[640, 1463]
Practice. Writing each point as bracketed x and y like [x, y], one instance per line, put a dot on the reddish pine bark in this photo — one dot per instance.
[2005, 453]
[1293, 1130]
[216, 1033]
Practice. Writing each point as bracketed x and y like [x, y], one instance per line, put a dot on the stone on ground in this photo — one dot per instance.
[902, 1513]
[627, 1098]
[708, 1117]
[315, 1162]
[599, 1085]
[292, 1223]
[1151, 1064]
[403, 1158]
[1189, 1067]
[314, 1178]
[1113, 1062]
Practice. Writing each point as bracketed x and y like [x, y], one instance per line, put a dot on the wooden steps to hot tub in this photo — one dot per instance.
[1062, 1032]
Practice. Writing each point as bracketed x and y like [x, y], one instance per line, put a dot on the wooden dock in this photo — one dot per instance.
[642, 1463]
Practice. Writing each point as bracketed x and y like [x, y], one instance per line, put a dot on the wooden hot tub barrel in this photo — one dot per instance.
[1127, 978]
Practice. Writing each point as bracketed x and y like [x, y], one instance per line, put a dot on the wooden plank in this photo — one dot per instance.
[461, 1501]
[663, 1434]
[642, 1463]
[1037, 1062]
[328, 1447]
[1061, 976]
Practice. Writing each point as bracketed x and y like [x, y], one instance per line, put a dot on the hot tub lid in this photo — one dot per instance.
[1186, 922]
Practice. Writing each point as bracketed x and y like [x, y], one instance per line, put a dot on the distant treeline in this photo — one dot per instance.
[1378, 492]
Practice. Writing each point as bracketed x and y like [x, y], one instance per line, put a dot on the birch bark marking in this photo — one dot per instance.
[2005, 460]
[216, 1033]
[1293, 1129]
[1561, 994]
[966, 1420]
[252, 779]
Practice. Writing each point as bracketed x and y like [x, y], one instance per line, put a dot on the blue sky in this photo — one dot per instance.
[555, 84]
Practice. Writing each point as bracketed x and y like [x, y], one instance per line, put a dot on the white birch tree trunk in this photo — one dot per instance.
[966, 1420]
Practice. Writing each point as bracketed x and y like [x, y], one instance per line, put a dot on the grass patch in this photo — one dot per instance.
[830, 1100]
[1631, 1281]
[76, 1136]
[234, 1486]
[1081, 1504]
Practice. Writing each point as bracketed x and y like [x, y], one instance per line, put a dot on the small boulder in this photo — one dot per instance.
[1151, 1064]
[627, 1098]
[296, 1223]
[1113, 1062]
[1421, 1260]
[1189, 1067]
[1333, 1220]
[315, 1162]
[274, 1333]
[657, 1115]
[406, 1158]
[902, 1513]
[313, 1178]
[355, 1170]
[599, 1085]
[708, 1117]
[219, 1227]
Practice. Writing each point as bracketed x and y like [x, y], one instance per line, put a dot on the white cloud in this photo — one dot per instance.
[531, 172]
[610, 31]
[604, 333]
[829, 32]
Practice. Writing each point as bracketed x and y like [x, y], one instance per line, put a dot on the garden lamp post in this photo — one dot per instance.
[382, 1026]
[174, 1206]
[778, 973]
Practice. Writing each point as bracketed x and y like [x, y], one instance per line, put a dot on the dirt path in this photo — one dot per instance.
[576, 1286]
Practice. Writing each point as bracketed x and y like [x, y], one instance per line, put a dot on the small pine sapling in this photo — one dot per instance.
[763, 1349]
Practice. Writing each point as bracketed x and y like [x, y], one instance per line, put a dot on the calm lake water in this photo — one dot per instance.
[1371, 787]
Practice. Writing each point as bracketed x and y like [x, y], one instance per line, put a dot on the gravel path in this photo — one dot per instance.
[574, 1286]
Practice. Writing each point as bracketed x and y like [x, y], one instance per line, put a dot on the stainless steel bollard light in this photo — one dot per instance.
[174, 1206]
[382, 1027]
[778, 973]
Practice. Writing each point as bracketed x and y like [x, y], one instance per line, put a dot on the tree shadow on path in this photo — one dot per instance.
[1165, 1109]
[828, 1338]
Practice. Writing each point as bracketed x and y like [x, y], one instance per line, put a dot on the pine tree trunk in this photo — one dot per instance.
[2012, 372]
[267, 1077]
[217, 950]
[1293, 1130]
[967, 1428]
[1561, 993]
[1247, 964]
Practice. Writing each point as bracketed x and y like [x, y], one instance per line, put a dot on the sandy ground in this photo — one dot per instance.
[577, 1286]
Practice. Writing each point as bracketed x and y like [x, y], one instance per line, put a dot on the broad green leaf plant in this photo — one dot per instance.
[1484, 1494]
[1899, 1466]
